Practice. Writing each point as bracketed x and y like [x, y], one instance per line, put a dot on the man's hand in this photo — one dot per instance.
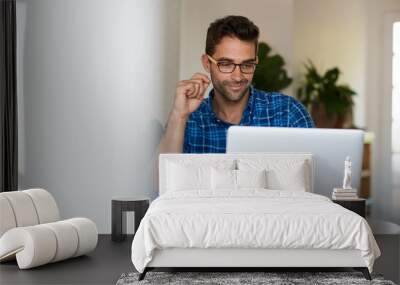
[190, 94]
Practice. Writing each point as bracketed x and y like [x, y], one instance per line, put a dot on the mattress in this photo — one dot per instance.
[250, 219]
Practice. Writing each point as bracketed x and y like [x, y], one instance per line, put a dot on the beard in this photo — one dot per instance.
[225, 88]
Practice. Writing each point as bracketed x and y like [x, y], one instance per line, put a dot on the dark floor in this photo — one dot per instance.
[110, 259]
[102, 266]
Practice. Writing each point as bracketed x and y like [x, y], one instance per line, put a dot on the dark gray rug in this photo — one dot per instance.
[270, 278]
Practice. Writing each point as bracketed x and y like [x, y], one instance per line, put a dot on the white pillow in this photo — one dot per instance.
[292, 178]
[228, 179]
[282, 174]
[251, 178]
[187, 177]
[223, 179]
[193, 174]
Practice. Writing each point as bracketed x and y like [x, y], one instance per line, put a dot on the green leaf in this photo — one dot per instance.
[316, 89]
[270, 74]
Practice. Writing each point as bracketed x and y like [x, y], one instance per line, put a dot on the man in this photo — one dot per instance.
[199, 125]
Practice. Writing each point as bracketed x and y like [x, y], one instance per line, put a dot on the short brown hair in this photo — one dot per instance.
[232, 26]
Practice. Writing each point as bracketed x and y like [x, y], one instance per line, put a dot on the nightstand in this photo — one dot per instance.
[119, 207]
[355, 205]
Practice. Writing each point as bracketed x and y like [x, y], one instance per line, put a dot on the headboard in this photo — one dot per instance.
[212, 159]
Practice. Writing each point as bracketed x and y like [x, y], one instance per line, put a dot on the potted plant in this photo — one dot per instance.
[329, 103]
[270, 74]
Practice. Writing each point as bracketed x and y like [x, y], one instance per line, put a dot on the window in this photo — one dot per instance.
[396, 111]
[396, 89]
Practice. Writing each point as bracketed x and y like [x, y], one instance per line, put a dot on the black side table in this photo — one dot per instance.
[355, 205]
[119, 207]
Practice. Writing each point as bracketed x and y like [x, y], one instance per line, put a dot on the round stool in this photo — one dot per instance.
[119, 207]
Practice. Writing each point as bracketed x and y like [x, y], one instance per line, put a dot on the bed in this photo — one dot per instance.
[247, 210]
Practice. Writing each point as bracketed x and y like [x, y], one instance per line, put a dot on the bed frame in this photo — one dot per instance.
[242, 259]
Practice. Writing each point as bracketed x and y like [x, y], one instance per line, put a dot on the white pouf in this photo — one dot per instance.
[31, 232]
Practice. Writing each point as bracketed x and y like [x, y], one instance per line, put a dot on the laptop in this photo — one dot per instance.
[329, 148]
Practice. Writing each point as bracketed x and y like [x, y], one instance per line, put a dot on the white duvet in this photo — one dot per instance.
[251, 218]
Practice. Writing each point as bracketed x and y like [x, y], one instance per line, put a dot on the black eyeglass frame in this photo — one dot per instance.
[254, 64]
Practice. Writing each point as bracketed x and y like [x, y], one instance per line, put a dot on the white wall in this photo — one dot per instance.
[96, 80]
[332, 33]
[274, 18]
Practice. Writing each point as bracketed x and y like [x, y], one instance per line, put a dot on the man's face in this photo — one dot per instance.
[232, 86]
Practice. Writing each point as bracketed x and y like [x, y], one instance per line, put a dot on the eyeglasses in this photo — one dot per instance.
[229, 67]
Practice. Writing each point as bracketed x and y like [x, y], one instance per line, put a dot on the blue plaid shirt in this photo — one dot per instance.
[206, 133]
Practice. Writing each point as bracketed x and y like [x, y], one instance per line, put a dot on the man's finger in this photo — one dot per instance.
[199, 86]
[188, 89]
[204, 88]
[196, 88]
[193, 88]
[203, 85]
[201, 76]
